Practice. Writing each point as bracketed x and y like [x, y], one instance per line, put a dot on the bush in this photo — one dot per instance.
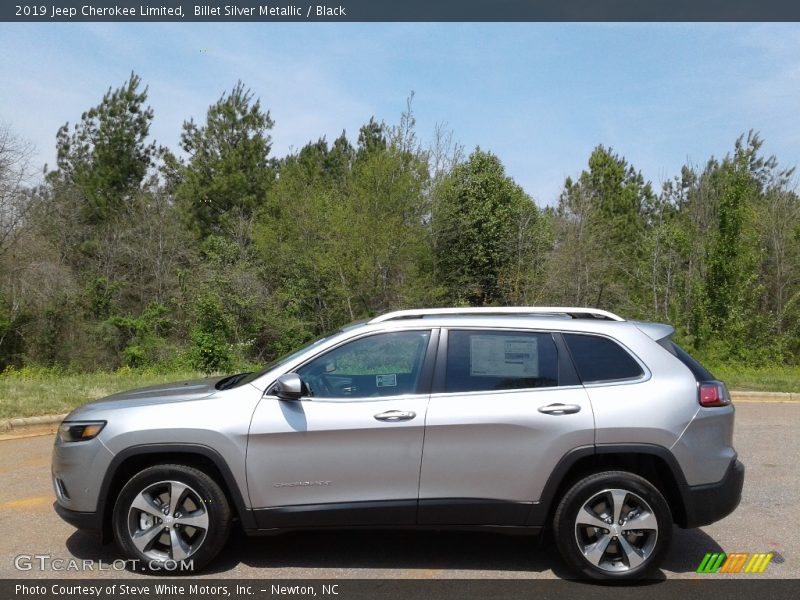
[211, 351]
[138, 339]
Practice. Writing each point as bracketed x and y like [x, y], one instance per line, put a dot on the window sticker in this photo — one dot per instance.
[503, 356]
[386, 380]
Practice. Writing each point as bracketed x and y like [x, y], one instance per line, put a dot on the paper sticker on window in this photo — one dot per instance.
[504, 356]
[385, 380]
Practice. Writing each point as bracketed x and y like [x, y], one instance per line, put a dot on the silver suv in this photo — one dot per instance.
[502, 419]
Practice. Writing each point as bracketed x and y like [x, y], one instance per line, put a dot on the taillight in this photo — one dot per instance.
[713, 393]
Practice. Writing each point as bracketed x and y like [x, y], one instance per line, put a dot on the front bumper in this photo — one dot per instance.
[78, 469]
[85, 521]
[706, 504]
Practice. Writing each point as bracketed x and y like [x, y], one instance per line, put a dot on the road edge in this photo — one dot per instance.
[21, 422]
[22, 427]
[742, 396]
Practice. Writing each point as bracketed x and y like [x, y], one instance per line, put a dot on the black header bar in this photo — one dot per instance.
[171, 588]
[401, 10]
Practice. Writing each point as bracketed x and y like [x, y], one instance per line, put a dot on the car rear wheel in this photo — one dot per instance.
[613, 525]
[168, 516]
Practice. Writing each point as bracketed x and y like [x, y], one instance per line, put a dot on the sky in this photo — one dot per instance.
[540, 96]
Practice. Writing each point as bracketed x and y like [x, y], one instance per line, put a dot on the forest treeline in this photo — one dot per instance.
[217, 253]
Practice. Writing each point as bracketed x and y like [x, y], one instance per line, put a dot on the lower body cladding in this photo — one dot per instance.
[457, 513]
[706, 504]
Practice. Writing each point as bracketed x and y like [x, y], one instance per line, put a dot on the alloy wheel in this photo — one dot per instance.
[616, 530]
[168, 520]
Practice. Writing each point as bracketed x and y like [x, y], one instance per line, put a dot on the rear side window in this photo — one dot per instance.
[600, 359]
[500, 360]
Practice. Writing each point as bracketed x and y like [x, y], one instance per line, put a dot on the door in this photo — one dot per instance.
[503, 412]
[349, 451]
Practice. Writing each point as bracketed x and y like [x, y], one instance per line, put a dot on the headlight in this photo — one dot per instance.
[79, 431]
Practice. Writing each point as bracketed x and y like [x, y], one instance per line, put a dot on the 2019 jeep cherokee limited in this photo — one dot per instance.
[511, 419]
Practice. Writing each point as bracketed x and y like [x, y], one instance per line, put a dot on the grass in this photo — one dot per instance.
[31, 392]
[761, 379]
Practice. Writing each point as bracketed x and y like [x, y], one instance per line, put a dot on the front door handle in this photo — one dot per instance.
[396, 415]
[559, 409]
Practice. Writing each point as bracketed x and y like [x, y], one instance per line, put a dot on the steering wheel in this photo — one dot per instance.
[318, 382]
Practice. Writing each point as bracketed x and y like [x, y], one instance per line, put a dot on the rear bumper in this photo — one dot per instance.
[706, 504]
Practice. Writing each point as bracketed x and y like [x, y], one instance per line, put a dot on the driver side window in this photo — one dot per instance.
[385, 364]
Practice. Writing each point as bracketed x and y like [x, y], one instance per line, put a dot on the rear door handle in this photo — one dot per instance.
[559, 409]
[395, 415]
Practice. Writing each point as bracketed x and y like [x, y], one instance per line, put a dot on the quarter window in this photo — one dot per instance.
[386, 364]
[500, 360]
[600, 359]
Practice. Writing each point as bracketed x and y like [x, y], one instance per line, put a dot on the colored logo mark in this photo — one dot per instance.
[737, 562]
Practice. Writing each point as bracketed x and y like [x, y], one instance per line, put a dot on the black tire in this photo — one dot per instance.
[204, 503]
[616, 562]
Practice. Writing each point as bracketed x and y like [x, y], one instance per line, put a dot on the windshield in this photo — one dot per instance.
[249, 377]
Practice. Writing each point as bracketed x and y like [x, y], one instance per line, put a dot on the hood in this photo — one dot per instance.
[154, 394]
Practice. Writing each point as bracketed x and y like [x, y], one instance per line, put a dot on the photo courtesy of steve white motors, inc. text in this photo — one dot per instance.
[164, 589]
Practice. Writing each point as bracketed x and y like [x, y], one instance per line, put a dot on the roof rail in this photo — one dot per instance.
[571, 311]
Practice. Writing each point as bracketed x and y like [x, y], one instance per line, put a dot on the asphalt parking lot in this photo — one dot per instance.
[767, 437]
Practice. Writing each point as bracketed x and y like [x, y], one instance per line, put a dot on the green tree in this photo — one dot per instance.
[478, 215]
[731, 288]
[604, 215]
[778, 216]
[293, 236]
[15, 204]
[382, 238]
[228, 171]
[732, 248]
[210, 350]
[372, 137]
[352, 235]
[106, 155]
[722, 255]
[89, 213]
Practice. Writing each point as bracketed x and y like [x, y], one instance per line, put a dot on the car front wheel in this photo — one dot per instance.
[613, 525]
[171, 518]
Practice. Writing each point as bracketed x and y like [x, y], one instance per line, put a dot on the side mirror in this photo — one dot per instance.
[289, 387]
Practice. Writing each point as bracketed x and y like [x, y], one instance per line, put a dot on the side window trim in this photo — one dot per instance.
[429, 362]
[440, 368]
